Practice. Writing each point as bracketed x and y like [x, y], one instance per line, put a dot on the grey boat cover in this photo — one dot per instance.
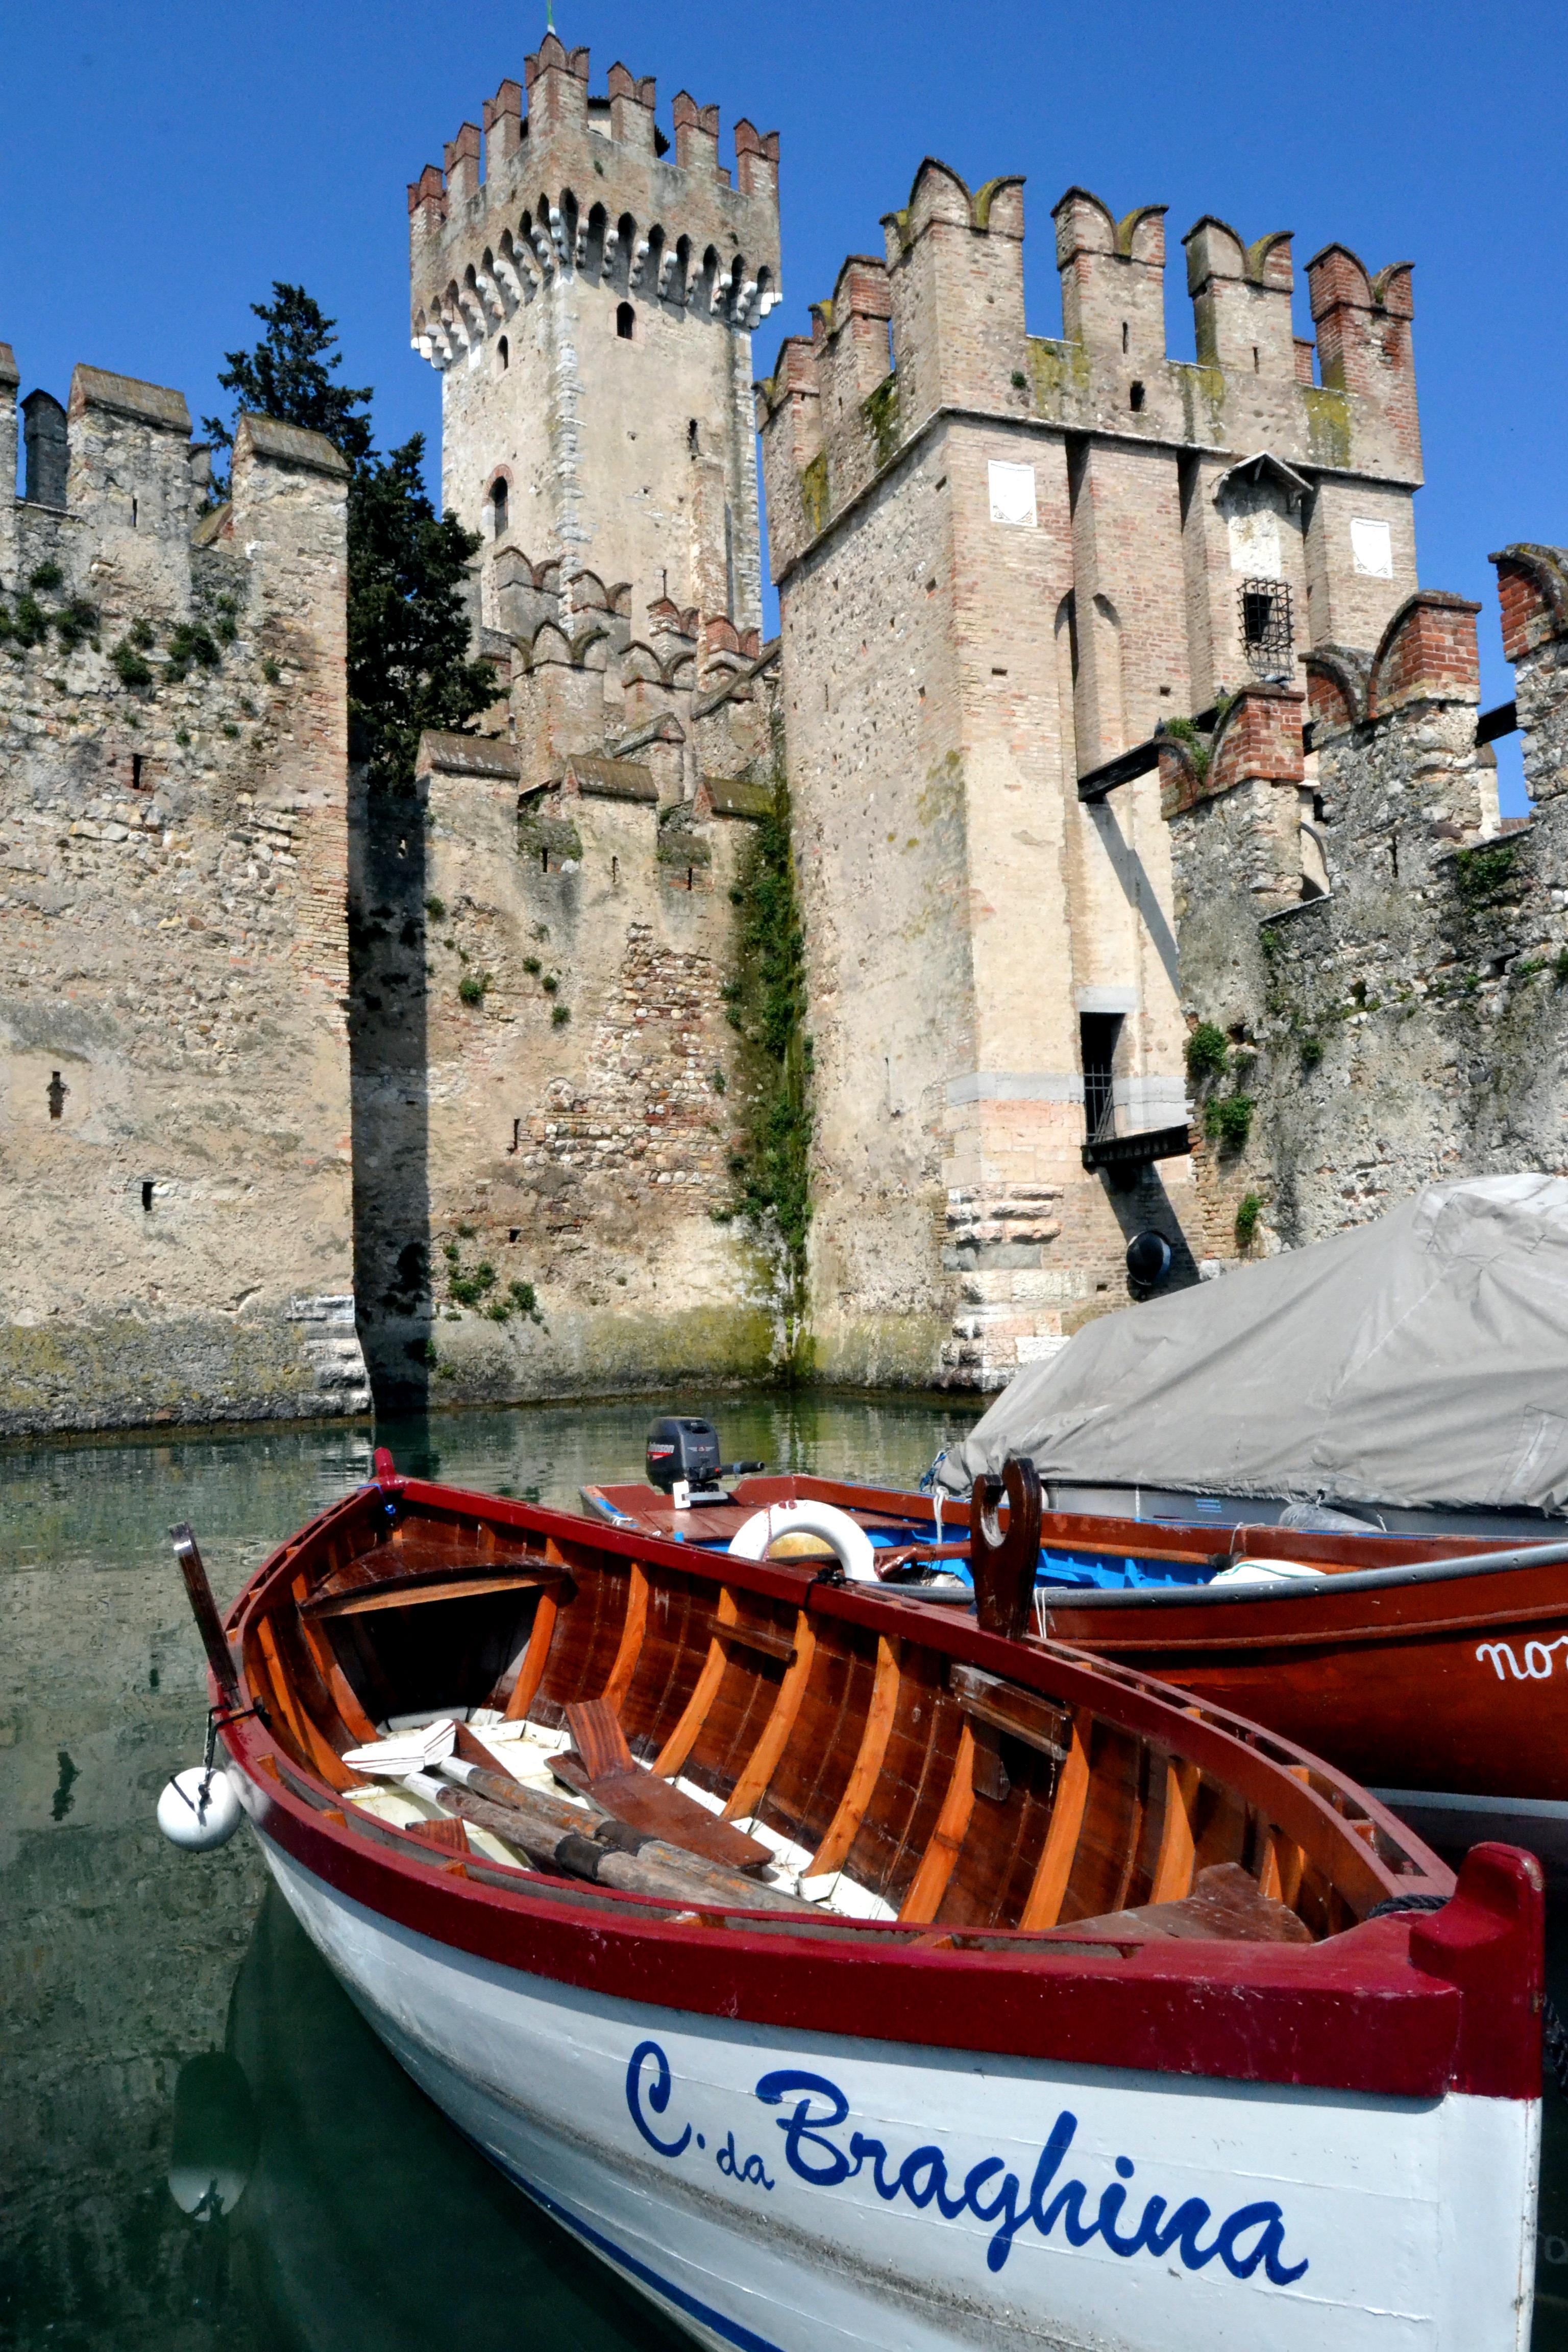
[1421, 1360]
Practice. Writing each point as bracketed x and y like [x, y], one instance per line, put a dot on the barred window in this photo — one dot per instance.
[1266, 634]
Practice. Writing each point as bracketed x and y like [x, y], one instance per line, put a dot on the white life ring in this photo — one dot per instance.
[857, 1553]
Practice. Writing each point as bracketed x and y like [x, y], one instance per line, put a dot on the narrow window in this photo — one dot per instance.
[614, 871]
[1255, 367]
[689, 877]
[147, 1194]
[503, 354]
[56, 1091]
[516, 1142]
[1124, 335]
[545, 861]
[1318, 816]
[133, 511]
[1137, 395]
[1394, 853]
[137, 766]
[1267, 632]
[497, 509]
[1098, 1033]
[626, 322]
[691, 440]
[514, 1232]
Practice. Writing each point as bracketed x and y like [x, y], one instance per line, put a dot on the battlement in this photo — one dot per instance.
[559, 183]
[844, 404]
[115, 495]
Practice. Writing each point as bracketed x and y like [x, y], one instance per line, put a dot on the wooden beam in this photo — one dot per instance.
[634, 1624]
[1173, 1868]
[763, 1762]
[535, 1658]
[874, 1737]
[923, 1901]
[414, 1594]
[1043, 1906]
[683, 1738]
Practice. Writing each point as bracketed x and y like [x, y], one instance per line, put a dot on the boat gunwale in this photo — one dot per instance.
[1157, 2007]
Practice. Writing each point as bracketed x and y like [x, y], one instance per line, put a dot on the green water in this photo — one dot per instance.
[364, 2223]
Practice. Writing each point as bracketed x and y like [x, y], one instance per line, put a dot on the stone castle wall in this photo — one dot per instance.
[1002, 561]
[174, 1052]
[1405, 1024]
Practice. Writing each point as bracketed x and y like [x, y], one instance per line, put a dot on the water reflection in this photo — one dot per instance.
[123, 1961]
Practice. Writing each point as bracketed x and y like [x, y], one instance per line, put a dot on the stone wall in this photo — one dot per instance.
[173, 1051]
[1004, 561]
[1407, 1023]
[546, 1081]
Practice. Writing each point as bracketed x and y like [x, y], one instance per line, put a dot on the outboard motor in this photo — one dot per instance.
[679, 1449]
[683, 1461]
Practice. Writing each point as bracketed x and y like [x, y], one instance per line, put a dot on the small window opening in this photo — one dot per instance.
[614, 871]
[1137, 395]
[1097, 1035]
[1267, 632]
[147, 1194]
[1394, 853]
[692, 439]
[133, 513]
[1318, 816]
[497, 509]
[892, 351]
[514, 1232]
[503, 354]
[626, 322]
[545, 861]
[1124, 335]
[1255, 366]
[688, 877]
[514, 1146]
[138, 769]
[57, 1092]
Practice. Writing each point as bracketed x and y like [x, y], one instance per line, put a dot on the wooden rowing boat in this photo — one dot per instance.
[1427, 1668]
[1166, 2034]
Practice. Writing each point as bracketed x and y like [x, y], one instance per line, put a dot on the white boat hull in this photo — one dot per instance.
[784, 2191]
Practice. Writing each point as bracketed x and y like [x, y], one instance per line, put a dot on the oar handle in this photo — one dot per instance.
[204, 1608]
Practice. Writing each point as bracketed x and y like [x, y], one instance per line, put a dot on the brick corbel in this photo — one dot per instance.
[1533, 588]
[1257, 741]
[1427, 654]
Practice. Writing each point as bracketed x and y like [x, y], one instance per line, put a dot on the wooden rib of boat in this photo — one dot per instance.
[1428, 1668]
[1125, 2000]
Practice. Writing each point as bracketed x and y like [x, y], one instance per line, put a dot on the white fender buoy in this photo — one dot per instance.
[199, 1808]
[1260, 1571]
[857, 1553]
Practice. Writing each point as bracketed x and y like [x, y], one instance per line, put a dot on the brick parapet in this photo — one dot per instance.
[1532, 587]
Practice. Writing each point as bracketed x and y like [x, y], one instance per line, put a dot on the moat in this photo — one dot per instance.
[148, 1993]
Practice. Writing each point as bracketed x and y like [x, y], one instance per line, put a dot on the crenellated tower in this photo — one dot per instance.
[588, 296]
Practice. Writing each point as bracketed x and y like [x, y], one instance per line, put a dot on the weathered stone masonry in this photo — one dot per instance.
[1003, 560]
[1408, 1024]
[174, 1152]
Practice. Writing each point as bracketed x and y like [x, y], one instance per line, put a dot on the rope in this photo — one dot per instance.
[1404, 1903]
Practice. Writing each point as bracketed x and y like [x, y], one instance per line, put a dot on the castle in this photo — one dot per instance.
[1104, 695]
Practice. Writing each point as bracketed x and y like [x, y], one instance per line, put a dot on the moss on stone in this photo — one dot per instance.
[1328, 423]
[814, 491]
[557, 835]
[880, 410]
[1060, 370]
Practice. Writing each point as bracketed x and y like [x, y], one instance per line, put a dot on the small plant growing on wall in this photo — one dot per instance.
[1248, 1211]
[1228, 1121]
[1311, 1052]
[472, 986]
[1209, 1051]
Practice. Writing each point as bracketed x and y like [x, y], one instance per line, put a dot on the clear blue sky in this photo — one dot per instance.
[163, 164]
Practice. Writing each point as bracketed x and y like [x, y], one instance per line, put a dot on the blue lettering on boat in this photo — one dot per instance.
[1250, 2239]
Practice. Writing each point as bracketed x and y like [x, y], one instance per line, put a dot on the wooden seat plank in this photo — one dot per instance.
[645, 1801]
[413, 1592]
[1226, 1901]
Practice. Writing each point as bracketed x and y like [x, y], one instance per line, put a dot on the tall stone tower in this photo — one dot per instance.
[589, 303]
